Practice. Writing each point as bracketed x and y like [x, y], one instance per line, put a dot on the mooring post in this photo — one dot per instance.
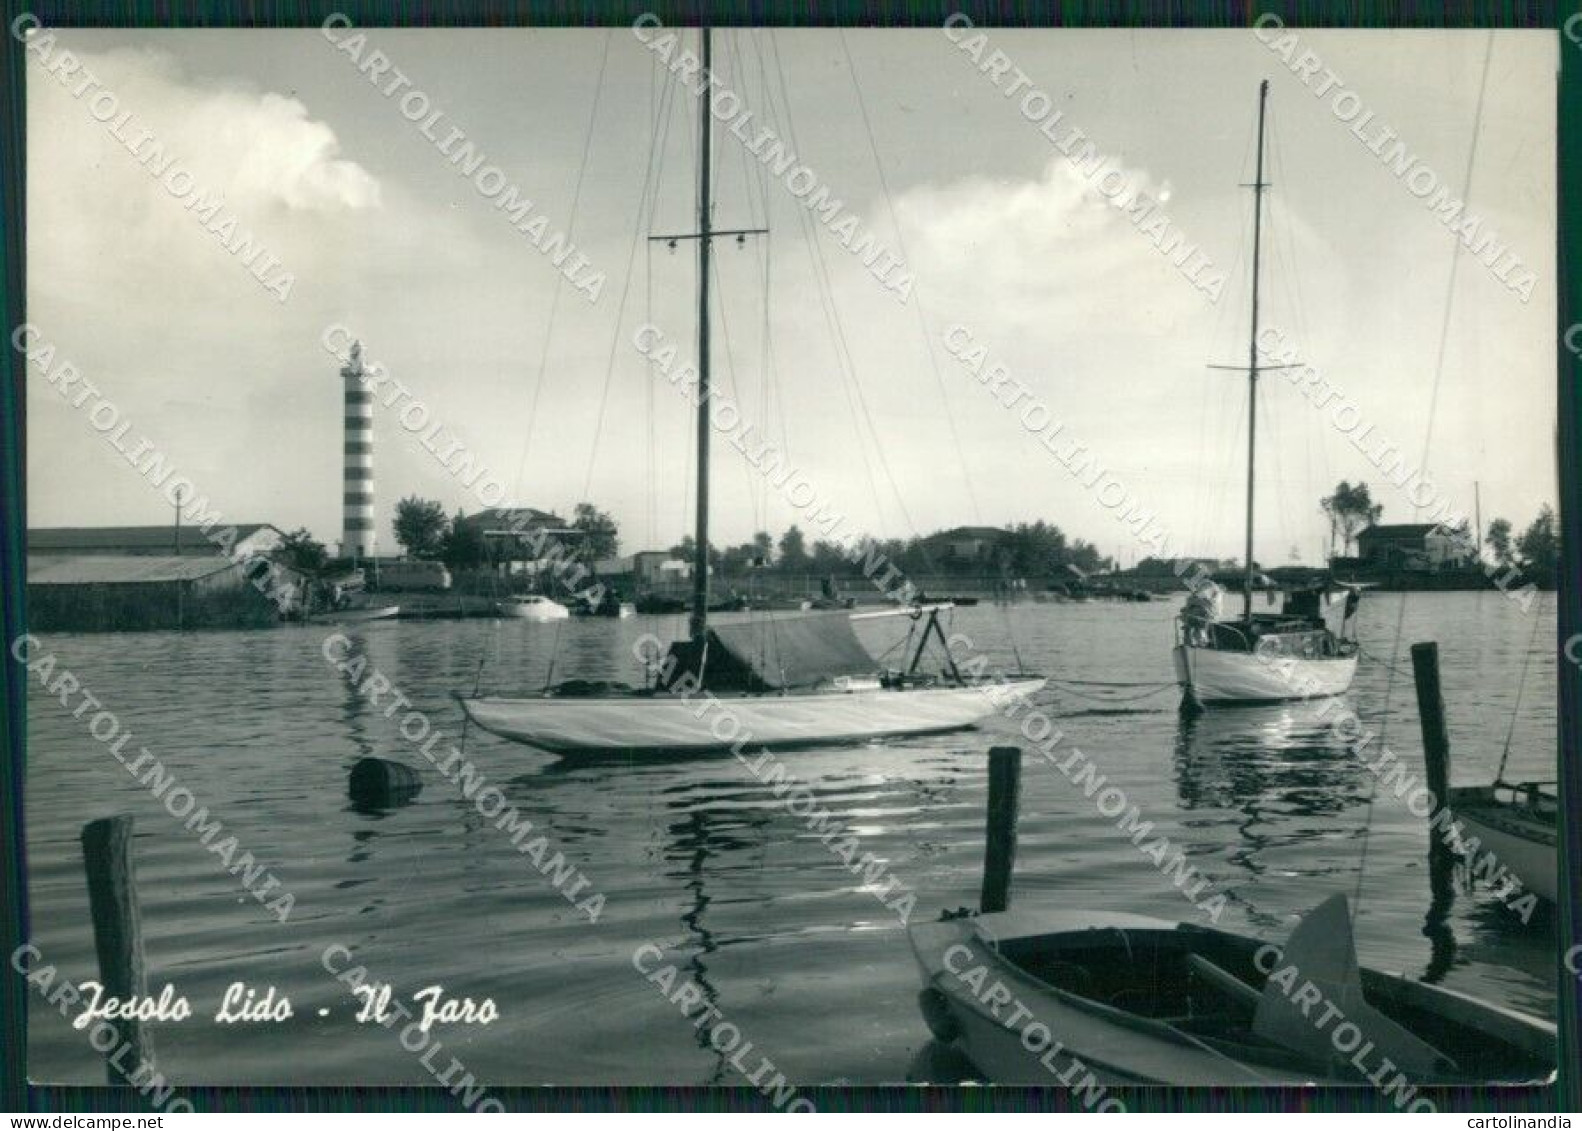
[999, 852]
[1431, 713]
[1436, 758]
[117, 929]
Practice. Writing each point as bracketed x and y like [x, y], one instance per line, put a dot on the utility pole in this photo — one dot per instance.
[1477, 517]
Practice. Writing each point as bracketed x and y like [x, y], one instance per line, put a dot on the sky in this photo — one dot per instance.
[382, 235]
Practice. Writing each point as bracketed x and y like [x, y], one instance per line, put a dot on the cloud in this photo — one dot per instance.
[1029, 251]
[259, 148]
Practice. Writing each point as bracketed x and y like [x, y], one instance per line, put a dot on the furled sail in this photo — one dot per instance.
[775, 654]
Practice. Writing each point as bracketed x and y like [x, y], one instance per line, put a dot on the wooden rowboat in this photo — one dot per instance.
[1072, 996]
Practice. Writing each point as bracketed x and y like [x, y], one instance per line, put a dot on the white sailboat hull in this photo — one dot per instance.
[1210, 675]
[1532, 861]
[665, 722]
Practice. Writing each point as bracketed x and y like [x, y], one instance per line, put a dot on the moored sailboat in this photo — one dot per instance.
[797, 680]
[1517, 824]
[1306, 650]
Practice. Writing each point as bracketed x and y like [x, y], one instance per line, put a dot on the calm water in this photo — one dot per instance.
[696, 856]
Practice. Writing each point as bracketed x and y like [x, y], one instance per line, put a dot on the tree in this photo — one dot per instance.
[463, 546]
[736, 560]
[299, 551]
[1538, 548]
[829, 557]
[763, 547]
[793, 551]
[1351, 510]
[1086, 557]
[601, 537]
[687, 549]
[420, 527]
[1037, 549]
[1498, 541]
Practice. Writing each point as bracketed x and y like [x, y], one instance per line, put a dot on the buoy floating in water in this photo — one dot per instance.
[377, 784]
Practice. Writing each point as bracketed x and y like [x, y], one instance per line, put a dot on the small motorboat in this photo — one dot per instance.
[532, 607]
[355, 613]
[1516, 823]
[654, 604]
[1131, 1000]
[830, 604]
[779, 604]
[608, 605]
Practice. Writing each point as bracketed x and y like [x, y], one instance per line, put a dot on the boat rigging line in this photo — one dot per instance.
[1428, 433]
[571, 228]
[923, 328]
[1521, 684]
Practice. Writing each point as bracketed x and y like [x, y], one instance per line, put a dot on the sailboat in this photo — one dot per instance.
[795, 680]
[1517, 823]
[1307, 649]
[1514, 822]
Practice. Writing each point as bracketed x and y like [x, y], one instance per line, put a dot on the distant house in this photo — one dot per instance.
[966, 545]
[252, 540]
[523, 539]
[645, 568]
[1425, 547]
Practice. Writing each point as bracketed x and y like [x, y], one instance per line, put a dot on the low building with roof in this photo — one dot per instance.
[523, 539]
[646, 568]
[252, 539]
[100, 592]
[967, 545]
[1423, 546]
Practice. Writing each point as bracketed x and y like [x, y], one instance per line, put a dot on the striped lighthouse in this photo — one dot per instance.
[357, 529]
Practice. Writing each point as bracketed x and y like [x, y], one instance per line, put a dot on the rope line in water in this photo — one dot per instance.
[1157, 689]
[1110, 683]
[1378, 659]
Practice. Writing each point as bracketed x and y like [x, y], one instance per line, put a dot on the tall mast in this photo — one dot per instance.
[699, 620]
[1252, 346]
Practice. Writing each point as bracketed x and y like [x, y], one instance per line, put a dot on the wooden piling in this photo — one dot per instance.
[117, 929]
[1431, 713]
[999, 852]
[1436, 764]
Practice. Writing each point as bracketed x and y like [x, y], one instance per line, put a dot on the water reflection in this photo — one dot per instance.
[354, 706]
[1270, 763]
